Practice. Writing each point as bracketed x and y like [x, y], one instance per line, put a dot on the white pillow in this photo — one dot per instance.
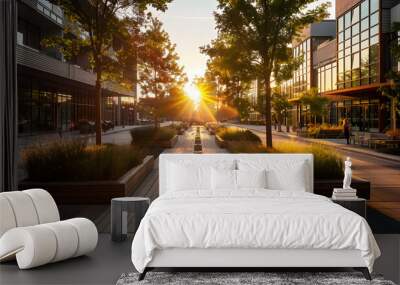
[251, 178]
[284, 174]
[223, 179]
[291, 178]
[184, 178]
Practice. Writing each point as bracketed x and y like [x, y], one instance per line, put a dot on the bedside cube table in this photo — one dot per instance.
[120, 207]
[357, 205]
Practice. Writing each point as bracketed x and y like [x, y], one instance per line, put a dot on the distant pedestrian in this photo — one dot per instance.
[346, 130]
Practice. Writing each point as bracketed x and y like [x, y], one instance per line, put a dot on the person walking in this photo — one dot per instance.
[346, 130]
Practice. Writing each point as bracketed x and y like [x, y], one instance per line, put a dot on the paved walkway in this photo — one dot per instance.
[382, 171]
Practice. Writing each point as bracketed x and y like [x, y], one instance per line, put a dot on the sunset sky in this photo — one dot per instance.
[190, 24]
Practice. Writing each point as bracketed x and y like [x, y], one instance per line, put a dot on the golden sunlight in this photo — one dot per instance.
[194, 94]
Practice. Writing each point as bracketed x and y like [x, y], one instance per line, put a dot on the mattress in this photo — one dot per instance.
[250, 219]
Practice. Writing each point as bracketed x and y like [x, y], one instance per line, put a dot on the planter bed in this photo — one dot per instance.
[220, 142]
[95, 192]
[168, 144]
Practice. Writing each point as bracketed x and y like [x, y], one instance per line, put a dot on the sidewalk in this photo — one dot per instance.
[336, 143]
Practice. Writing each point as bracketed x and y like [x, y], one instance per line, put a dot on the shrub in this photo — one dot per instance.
[74, 161]
[164, 134]
[146, 136]
[327, 163]
[236, 134]
[246, 147]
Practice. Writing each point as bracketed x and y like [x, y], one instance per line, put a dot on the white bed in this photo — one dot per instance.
[242, 227]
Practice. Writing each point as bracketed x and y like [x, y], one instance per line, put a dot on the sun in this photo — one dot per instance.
[194, 94]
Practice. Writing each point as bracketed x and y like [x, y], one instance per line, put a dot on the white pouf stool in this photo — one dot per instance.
[31, 231]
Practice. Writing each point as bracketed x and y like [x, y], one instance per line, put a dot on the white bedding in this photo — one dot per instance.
[250, 219]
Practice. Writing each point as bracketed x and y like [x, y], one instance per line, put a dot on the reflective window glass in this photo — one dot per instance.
[355, 48]
[364, 44]
[374, 40]
[364, 35]
[341, 46]
[347, 34]
[340, 65]
[356, 61]
[340, 37]
[347, 19]
[373, 53]
[355, 17]
[374, 19]
[364, 24]
[347, 63]
[356, 39]
[364, 57]
[355, 29]
[374, 30]
[364, 9]
[340, 24]
[374, 6]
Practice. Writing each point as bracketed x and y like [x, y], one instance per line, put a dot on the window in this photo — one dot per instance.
[347, 20]
[374, 19]
[340, 37]
[340, 24]
[347, 34]
[355, 29]
[374, 6]
[364, 24]
[359, 63]
[356, 61]
[364, 9]
[374, 31]
[355, 17]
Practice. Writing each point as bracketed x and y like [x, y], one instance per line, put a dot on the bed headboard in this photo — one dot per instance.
[164, 159]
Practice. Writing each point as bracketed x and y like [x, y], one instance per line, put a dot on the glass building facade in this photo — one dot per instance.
[45, 106]
[48, 101]
[327, 77]
[358, 45]
[302, 76]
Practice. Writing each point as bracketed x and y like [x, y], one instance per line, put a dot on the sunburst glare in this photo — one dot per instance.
[194, 94]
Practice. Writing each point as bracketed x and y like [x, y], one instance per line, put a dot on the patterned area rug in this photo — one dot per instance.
[236, 278]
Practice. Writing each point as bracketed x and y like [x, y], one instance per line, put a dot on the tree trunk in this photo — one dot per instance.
[280, 119]
[98, 108]
[268, 113]
[287, 121]
[393, 113]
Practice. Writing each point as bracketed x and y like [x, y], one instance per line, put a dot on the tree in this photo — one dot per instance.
[316, 103]
[264, 30]
[101, 24]
[159, 68]
[392, 91]
[242, 105]
[281, 105]
[226, 69]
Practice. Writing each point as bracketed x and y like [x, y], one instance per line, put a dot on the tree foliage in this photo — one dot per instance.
[260, 32]
[281, 106]
[101, 28]
[159, 68]
[316, 103]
